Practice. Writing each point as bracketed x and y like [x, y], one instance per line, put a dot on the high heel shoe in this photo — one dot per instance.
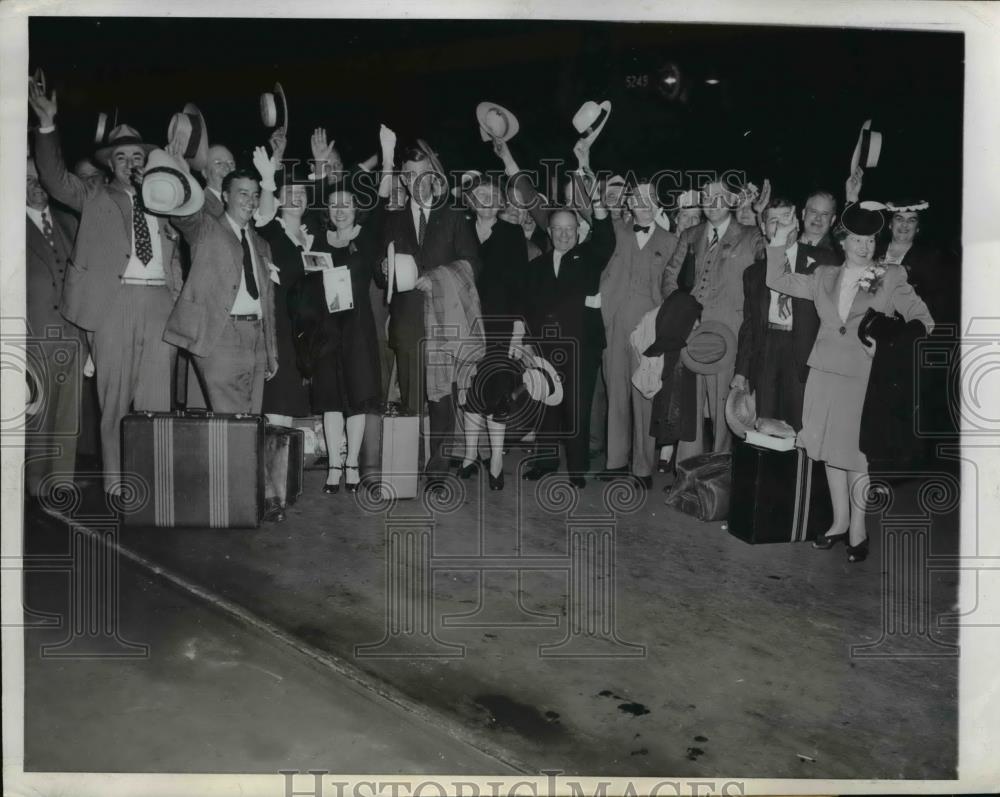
[496, 482]
[859, 552]
[466, 471]
[331, 489]
[352, 487]
[825, 542]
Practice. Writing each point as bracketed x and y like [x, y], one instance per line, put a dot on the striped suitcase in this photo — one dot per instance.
[199, 470]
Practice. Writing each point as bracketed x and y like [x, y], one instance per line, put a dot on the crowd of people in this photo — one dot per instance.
[214, 300]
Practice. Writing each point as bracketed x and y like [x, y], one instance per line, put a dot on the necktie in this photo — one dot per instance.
[47, 228]
[640, 228]
[422, 228]
[143, 244]
[248, 267]
[784, 300]
[713, 244]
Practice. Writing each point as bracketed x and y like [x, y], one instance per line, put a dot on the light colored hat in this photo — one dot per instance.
[741, 411]
[868, 149]
[269, 103]
[542, 382]
[710, 349]
[122, 136]
[188, 130]
[589, 121]
[168, 187]
[689, 199]
[495, 121]
[402, 272]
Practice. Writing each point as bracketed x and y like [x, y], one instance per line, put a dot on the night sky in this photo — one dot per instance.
[788, 105]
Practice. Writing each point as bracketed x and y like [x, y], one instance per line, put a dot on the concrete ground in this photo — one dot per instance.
[709, 656]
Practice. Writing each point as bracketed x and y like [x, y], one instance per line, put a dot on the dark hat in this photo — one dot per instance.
[863, 218]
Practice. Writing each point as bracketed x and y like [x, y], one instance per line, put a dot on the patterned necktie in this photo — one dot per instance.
[713, 244]
[422, 228]
[248, 267]
[47, 228]
[784, 300]
[143, 243]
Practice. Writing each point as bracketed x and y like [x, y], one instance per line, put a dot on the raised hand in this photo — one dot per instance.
[853, 186]
[387, 138]
[45, 108]
[582, 151]
[320, 148]
[278, 142]
[264, 166]
[176, 151]
[760, 204]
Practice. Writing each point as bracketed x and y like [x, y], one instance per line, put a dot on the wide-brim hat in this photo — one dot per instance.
[741, 411]
[710, 349]
[589, 121]
[122, 136]
[102, 127]
[907, 204]
[188, 131]
[401, 271]
[168, 188]
[868, 149]
[270, 105]
[542, 382]
[863, 218]
[496, 122]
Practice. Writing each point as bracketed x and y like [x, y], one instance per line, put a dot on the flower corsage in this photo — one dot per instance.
[871, 278]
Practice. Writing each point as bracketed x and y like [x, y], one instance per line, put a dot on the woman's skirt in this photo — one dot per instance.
[831, 419]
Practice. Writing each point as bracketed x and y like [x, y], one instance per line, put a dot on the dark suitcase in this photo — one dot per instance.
[703, 486]
[199, 469]
[778, 496]
[283, 463]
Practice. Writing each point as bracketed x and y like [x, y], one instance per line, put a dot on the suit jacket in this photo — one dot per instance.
[757, 304]
[205, 302]
[838, 349]
[45, 272]
[723, 282]
[104, 239]
[448, 238]
[213, 205]
[561, 300]
[633, 282]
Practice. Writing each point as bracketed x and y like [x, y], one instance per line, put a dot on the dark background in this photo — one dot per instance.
[788, 105]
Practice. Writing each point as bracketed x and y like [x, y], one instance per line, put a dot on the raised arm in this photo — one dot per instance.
[669, 280]
[55, 179]
[522, 185]
[801, 286]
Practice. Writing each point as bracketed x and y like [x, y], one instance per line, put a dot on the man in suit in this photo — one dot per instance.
[50, 448]
[123, 278]
[564, 317]
[778, 331]
[225, 313]
[435, 235]
[220, 163]
[713, 257]
[631, 286]
[818, 216]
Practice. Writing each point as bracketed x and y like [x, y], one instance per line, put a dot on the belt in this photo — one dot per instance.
[249, 317]
[778, 327]
[150, 283]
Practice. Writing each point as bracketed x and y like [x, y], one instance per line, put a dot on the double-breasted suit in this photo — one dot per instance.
[631, 285]
[231, 354]
[714, 276]
[125, 314]
[564, 321]
[839, 362]
[772, 356]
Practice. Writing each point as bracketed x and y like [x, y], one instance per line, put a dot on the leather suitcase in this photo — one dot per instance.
[370, 458]
[400, 456]
[778, 496]
[703, 487]
[200, 470]
[314, 444]
[283, 463]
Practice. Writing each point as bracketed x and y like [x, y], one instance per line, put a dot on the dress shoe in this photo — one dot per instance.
[334, 487]
[352, 481]
[859, 552]
[466, 471]
[578, 482]
[496, 482]
[274, 512]
[610, 474]
[534, 474]
[825, 542]
[663, 466]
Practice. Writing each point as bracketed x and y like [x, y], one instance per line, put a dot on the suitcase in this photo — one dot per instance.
[313, 442]
[201, 470]
[399, 464]
[283, 463]
[370, 458]
[778, 496]
[703, 487]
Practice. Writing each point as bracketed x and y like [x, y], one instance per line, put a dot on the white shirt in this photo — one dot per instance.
[721, 228]
[773, 313]
[556, 257]
[848, 289]
[36, 216]
[245, 304]
[642, 238]
[153, 270]
[415, 211]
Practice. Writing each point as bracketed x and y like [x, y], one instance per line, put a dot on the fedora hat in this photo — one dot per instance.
[168, 187]
[591, 118]
[495, 121]
[122, 136]
[741, 411]
[269, 104]
[188, 130]
[868, 149]
[710, 349]
[402, 272]
[542, 382]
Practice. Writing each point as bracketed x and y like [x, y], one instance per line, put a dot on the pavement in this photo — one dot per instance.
[595, 633]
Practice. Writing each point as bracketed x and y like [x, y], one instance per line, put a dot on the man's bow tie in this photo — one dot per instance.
[640, 228]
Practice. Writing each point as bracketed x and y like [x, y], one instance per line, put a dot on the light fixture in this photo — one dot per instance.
[712, 81]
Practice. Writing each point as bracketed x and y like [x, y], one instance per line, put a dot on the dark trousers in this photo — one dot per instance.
[569, 421]
[409, 371]
[779, 390]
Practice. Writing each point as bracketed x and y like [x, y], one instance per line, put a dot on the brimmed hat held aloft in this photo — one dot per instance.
[589, 121]
[168, 187]
[188, 134]
[496, 122]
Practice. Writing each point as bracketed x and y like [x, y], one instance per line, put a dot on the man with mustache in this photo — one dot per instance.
[123, 277]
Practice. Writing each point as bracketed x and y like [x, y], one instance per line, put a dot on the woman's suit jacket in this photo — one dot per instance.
[838, 349]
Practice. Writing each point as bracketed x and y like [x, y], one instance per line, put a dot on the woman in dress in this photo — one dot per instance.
[339, 350]
[840, 361]
[285, 396]
[504, 253]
